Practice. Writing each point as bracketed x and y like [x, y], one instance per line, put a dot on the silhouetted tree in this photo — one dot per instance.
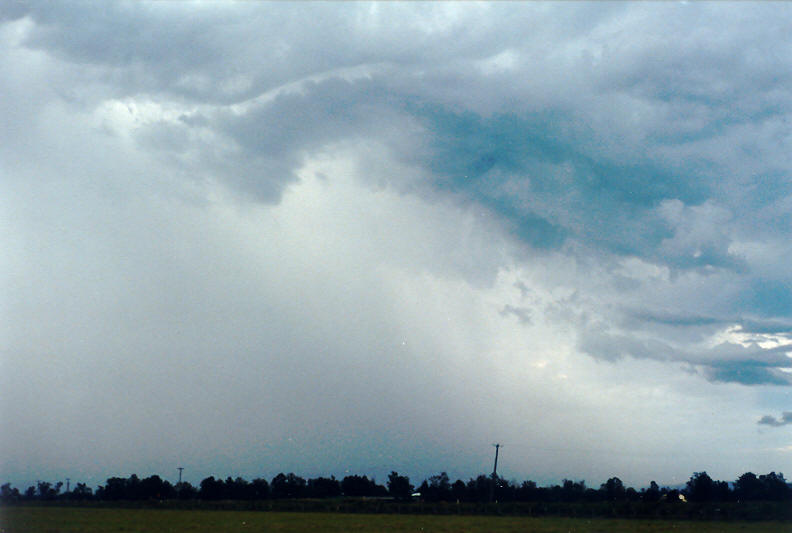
[702, 488]
[748, 487]
[399, 486]
[8, 493]
[48, 491]
[154, 488]
[356, 486]
[212, 489]
[613, 490]
[287, 486]
[323, 487]
[113, 489]
[671, 495]
[775, 487]
[652, 494]
[437, 489]
[505, 491]
[237, 489]
[572, 491]
[81, 492]
[479, 489]
[261, 489]
[528, 492]
[185, 491]
[458, 490]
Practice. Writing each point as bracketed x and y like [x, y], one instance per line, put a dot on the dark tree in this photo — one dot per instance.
[287, 486]
[479, 489]
[775, 487]
[357, 486]
[238, 489]
[572, 491]
[702, 488]
[154, 488]
[133, 488]
[81, 492]
[185, 491]
[399, 486]
[748, 487]
[528, 492]
[113, 489]
[505, 491]
[436, 488]
[652, 494]
[323, 487]
[212, 489]
[8, 493]
[458, 490]
[613, 490]
[671, 495]
[48, 491]
[261, 489]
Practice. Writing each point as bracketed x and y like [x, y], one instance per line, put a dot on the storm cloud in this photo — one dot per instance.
[331, 238]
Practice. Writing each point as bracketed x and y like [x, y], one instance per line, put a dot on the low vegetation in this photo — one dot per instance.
[750, 497]
[22, 519]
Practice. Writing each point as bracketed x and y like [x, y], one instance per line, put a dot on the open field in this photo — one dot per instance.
[92, 520]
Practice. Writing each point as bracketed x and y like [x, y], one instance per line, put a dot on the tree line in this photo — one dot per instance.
[700, 488]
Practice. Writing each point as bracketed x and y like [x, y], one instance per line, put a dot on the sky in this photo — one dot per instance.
[332, 239]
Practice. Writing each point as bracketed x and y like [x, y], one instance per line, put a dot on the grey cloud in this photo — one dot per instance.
[746, 374]
[779, 327]
[523, 315]
[783, 420]
[675, 318]
[726, 362]
[574, 182]
[643, 318]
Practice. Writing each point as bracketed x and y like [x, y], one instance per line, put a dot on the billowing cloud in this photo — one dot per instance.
[244, 235]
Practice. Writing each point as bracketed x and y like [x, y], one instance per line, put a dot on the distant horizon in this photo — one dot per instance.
[379, 479]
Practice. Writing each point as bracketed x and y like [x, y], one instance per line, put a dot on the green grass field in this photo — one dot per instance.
[92, 520]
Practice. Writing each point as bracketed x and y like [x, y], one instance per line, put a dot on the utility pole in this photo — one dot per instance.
[495, 468]
[180, 473]
[494, 473]
[67, 485]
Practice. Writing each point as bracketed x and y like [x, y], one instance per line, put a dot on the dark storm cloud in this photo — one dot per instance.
[614, 146]
[550, 171]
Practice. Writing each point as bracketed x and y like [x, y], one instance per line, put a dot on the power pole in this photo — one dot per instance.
[180, 473]
[494, 473]
[67, 485]
[495, 468]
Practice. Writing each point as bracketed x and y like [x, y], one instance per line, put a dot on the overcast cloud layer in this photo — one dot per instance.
[248, 238]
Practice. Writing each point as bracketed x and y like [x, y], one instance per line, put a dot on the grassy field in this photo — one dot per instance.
[91, 520]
